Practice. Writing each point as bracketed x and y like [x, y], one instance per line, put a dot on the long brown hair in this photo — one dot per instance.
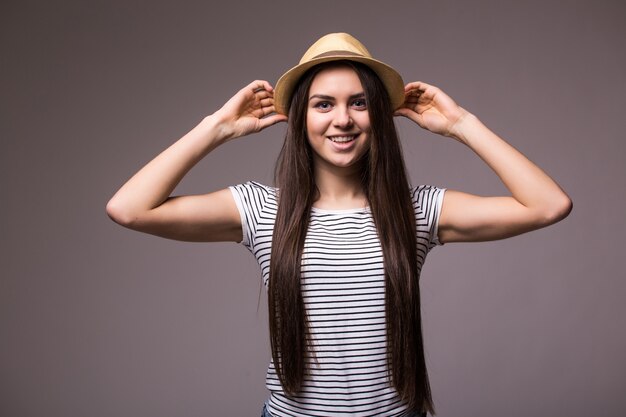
[387, 189]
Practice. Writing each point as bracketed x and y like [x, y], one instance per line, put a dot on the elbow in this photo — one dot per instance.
[559, 209]
[118, 213]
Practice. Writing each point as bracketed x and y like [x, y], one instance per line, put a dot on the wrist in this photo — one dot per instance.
[214, 127]
[460, 128]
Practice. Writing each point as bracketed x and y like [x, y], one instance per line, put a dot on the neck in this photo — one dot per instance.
[339, 188]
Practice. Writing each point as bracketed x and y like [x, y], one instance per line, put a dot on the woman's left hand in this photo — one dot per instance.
[536, 200]
[431, 109]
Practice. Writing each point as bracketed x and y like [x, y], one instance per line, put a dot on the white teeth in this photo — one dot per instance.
[342, 139]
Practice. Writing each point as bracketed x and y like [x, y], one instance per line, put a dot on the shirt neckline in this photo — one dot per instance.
[341, 211]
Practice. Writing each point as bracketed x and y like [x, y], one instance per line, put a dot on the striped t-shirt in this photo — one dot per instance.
[343, 286]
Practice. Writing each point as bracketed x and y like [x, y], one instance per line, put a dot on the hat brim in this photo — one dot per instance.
[389, 76]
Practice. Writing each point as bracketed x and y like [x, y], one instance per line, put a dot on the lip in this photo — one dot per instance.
[344, 135]
[343, 146]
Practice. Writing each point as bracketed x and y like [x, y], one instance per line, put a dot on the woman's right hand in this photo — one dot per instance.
[248, 111]
[144, 202]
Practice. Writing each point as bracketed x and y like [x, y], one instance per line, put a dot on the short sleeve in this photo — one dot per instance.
[252, 200]
[427, 202]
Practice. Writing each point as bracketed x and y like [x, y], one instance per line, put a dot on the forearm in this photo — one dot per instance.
[155, 182]
[528, 184]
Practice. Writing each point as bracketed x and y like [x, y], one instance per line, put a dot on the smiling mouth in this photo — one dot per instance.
[342, 139]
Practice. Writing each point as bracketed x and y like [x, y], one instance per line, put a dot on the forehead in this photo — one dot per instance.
[336, 81]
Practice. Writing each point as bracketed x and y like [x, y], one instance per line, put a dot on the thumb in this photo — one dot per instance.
[271, 120]
[401, 112]
[409, 114]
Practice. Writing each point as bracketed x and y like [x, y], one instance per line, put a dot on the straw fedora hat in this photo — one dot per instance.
[335, 47]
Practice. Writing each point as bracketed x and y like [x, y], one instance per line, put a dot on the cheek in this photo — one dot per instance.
[316, 125]
[364, 122]
[310, 124]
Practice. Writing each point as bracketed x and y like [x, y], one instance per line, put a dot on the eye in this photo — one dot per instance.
[359, 103]
[323, 105]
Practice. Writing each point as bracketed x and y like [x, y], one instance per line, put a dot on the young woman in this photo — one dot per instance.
[342, 237]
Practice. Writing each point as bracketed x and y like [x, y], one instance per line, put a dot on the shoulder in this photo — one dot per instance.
[253, 185]
[253, 188]
[255, 194]
[427, 203]
[426, 195]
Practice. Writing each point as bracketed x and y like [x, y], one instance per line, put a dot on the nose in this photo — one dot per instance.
[342, 117]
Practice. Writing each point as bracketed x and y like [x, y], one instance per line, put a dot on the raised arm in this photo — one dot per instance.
[144, 202]
[536, 199]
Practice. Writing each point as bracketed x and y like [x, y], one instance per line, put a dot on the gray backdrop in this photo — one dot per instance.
[98, 320]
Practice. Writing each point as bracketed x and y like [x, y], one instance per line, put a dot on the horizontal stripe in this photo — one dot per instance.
[343, 287]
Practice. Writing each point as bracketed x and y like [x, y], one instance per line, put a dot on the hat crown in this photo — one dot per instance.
[337, 47]
[340, 43]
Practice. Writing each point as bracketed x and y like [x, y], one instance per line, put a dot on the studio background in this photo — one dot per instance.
[97, 320]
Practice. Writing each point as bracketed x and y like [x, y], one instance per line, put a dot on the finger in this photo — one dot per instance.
[261, 95]
[265, 102]
[271, 120]
[260, 85]
[415, 85]
[409, 114]
[253, 87]
[412, 95]
[404, 112]
[267, 110]
[268, 86]
[419, 89]
[422, 86]
[261, 112]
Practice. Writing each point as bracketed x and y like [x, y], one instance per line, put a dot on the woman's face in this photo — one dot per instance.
[338, 123]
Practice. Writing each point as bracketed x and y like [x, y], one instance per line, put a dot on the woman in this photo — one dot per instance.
[342, 238]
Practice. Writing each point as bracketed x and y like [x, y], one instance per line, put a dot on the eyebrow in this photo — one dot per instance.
[325, 97]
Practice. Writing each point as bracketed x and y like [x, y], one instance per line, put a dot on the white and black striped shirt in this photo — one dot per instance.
[343, 287]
